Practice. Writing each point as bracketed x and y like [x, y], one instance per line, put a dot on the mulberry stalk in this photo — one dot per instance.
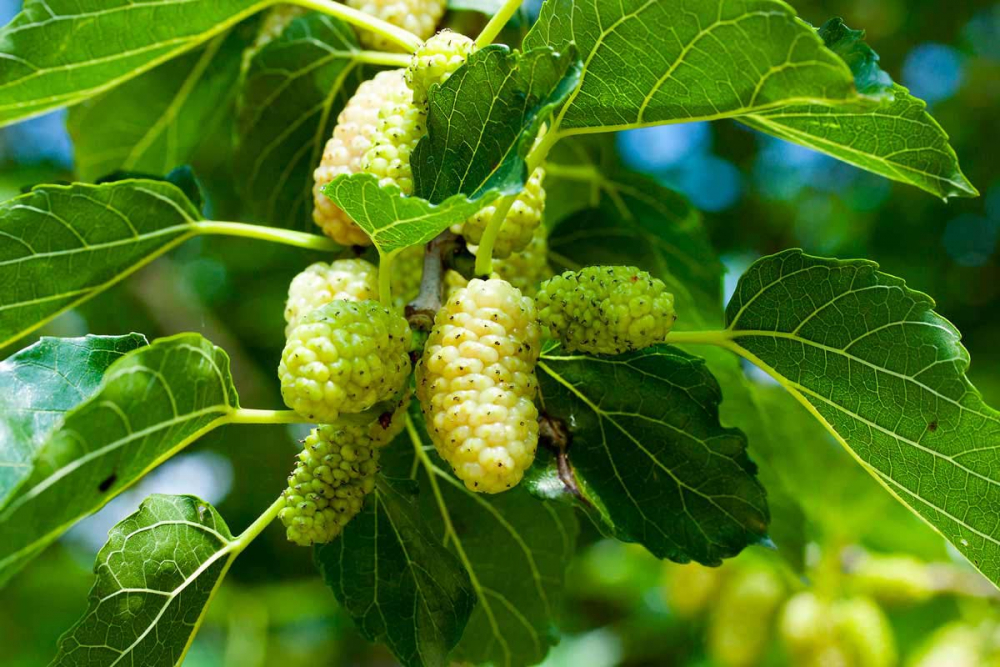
[345, 356]
[606, 309]
[476, 383]
[346, 149]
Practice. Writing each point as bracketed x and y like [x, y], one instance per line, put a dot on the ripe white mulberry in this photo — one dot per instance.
[518, 228]
[334, 472]
[476, 384]
[346, 149]
[345, 356]
[418, 16]
[606, 309]
[400, 126]
[321, 283]
[435, 61]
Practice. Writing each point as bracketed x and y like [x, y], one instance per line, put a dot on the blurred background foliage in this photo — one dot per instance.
[759, 195]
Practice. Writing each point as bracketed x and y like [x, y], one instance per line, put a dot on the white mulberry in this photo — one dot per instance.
[518, 228]
[345, 356]
[407, 269]
[274, 23]
[606, 309]
[334, 472]
[435, 61]
[345, 150]
[476, 383]
[417, 16]
[321, 283]
[400, 126]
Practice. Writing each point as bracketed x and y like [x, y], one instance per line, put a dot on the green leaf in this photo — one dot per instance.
[151, 404]
[647, 447]
[683, 60]
[60, 245]
[39, 385]
[292, 91]
[484, 118]
[397, 581]
[157, 121]
[885, 374]
[869, 78]
[515, 548]
[60, 52]
[155, 577]
[637, 222]
[393, 221]
[898, 140]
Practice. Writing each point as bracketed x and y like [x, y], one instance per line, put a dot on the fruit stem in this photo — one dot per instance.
[720, 338]
[273, 234]
[381, 58]
[249, 416]
[497, 23]
[385, 278]
[484, 255]
[404, 38]
[421, 311]
[259, 524]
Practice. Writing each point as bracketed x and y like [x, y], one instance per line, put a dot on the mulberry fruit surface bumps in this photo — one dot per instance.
[345, 356]
[518, 228]
[418, 16]
[435, 61]
[407, 269]
[321, 283]
[476, 384]
[346, 149]
[606, 309]
[400, 126]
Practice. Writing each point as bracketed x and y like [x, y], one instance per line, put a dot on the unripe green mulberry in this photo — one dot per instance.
[864, 632]
[476, 384]
[606, 309]
[345, 356]
[321, 283]
[400, 126]
[334, 472]
[740, 627]
[435, 61]
[346, 149]
[418, 16]
[518, 228]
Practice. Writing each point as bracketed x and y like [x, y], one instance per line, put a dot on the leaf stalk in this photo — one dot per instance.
[403, 38]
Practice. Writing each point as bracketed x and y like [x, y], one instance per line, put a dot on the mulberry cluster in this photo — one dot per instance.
[518, 228]
[345, 356]
[321, 283]
[476, 383]
[346, 149]
[435, 61]
[418, 16]
[606, 309]
[334, 472]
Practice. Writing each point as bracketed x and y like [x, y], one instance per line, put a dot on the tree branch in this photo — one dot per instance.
[552, 433]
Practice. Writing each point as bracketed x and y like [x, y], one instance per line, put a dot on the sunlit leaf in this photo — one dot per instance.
[885, 374]
[39, 385]
[60, 245]
[678, 60]
[393, 221]
[155, 577]
[60, 52]
[151, 404]
[399, 583]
